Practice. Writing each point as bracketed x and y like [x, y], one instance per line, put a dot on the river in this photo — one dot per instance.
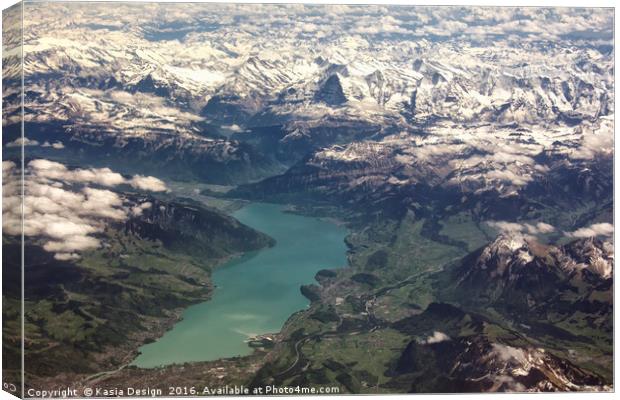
[254, 294]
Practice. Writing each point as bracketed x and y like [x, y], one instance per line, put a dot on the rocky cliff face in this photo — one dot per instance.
[474, 364]
[516, 270]
[459, 351]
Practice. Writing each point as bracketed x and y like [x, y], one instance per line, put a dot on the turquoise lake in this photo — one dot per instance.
[254, 294]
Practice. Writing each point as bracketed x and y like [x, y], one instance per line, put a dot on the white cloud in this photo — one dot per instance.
[437, 337]
[510, 176]
[233, 128]
[149, 183]
[25, 142]
[7, 169]
[594, 230]
[71, 244]
[139, 209]
[595, 143]
[509, 353]
[308, 27]
[66, 256]
[56, 145]
[53, 170]
[103, 203]
[544, 227]
[525, 230]
[65, 229]
[505, 227]
[101, 176]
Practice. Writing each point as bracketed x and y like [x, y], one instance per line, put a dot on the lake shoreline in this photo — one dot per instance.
[278, 266]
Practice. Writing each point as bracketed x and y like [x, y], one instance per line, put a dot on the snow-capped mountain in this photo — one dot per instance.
[531, 281]
[181, 77]
[476, 364]
[510, 257]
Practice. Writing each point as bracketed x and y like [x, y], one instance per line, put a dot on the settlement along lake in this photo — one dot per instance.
[255, 294]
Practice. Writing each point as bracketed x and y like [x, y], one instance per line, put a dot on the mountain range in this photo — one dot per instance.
[468, 150]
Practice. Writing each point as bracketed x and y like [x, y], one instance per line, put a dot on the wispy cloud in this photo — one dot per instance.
[594, 230]
[521, 230]
[22, 142]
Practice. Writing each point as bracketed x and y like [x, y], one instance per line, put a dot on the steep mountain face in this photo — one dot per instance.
[530, 279]
[473, 364]
[557, 296]
[331, 92]
[187, 158]
[195, 231]
[447, 172]
[338, 174]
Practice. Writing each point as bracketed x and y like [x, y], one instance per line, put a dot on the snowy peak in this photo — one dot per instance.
[509, 253]
[590, 254]
[148, 85]
[521, 273]
[377, 78]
